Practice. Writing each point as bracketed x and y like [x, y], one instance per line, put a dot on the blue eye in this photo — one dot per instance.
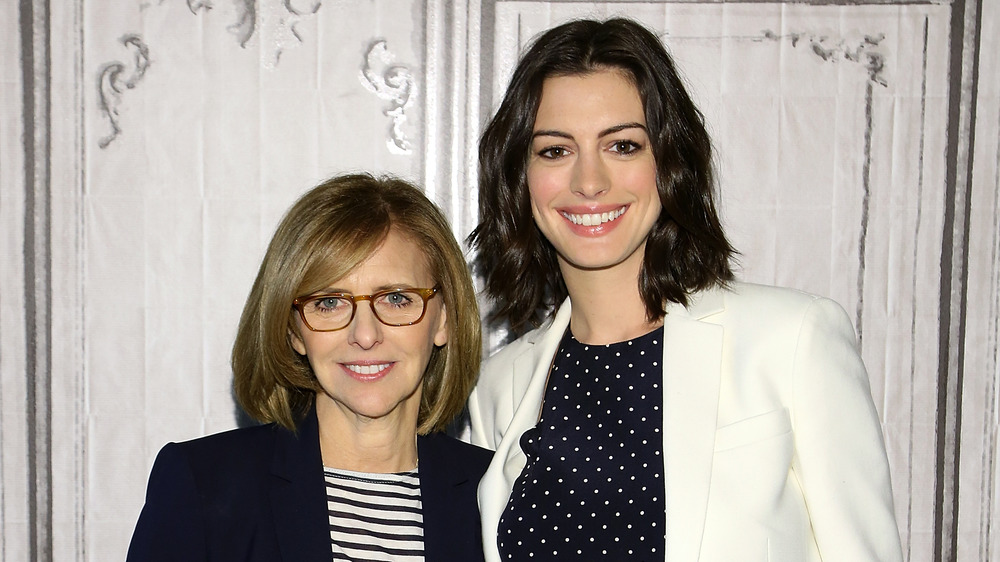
[329, 304]
[397, 299]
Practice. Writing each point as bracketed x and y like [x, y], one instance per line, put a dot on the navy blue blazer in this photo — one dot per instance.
[259, 494]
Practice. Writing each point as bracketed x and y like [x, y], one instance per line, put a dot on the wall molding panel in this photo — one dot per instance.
[149, 150]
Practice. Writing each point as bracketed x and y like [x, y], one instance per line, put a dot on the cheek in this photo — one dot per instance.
[543, 188]
[543, 184]
[642, 178]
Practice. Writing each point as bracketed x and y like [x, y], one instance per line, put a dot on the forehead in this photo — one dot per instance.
[399, 260]
[603, 97]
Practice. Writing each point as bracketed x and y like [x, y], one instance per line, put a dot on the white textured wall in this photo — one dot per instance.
[148, 149]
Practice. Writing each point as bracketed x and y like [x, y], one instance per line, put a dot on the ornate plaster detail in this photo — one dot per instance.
[199, 5]
[275, 20]
[194, 6]
[393, 83]
[864, 50]
[115, 78]
[246, 21]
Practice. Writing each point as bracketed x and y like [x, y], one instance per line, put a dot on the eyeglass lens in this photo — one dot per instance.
[394, 308]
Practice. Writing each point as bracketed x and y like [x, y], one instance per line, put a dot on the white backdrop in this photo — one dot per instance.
[147, 150]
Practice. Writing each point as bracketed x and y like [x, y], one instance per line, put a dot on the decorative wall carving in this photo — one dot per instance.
[115, 78]
[863, 49]
[276, 20]
[918, 142]
[393, 83]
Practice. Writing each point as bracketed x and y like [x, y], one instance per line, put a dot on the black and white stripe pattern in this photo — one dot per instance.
[375, 517]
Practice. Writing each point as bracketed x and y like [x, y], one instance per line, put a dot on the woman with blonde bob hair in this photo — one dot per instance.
[358, 344]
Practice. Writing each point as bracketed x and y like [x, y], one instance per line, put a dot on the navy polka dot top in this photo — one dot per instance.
[592, 487]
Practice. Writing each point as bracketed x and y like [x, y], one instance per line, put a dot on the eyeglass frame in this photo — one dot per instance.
[425, 295]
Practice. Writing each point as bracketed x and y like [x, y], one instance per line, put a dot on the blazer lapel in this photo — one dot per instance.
[530, 371]
[449, 532]
[692, 360]
[298, 494]
[532, 388]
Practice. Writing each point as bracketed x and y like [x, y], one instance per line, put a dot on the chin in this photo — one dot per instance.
[595, 263]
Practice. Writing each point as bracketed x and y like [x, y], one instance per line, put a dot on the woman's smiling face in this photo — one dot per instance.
[591, 173]
[370, 371]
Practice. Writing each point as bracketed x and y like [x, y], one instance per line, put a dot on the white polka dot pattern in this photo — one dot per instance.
[593, 483]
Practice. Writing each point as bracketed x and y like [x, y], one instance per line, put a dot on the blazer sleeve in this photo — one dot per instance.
[840, 460]
[171, 526]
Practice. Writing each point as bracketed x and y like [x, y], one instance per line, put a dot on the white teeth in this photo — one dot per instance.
[594, 219]
[366, 369]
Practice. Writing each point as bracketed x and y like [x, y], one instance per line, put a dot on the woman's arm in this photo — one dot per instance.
[840, 460]
[171, 526]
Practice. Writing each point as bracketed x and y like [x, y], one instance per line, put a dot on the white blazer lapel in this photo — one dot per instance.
[530, 372]
[692, 359]
[533, 388]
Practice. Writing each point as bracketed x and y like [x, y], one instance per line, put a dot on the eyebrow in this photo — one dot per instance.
[609, 131]
[388, 287]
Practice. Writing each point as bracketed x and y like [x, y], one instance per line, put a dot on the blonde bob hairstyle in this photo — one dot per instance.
[326, 234]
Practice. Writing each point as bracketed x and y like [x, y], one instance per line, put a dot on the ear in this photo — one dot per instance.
[297, 344]
[441, 333]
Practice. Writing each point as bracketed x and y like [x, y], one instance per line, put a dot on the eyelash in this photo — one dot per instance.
[625, 148]
[547, 152]
[632, 147]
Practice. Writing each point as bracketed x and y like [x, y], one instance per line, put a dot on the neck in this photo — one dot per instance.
[351, 442]
[607, 306]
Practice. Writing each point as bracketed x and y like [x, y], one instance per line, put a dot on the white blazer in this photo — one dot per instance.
[771, 443]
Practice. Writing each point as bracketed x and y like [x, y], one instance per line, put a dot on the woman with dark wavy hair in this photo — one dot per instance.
[653, 407]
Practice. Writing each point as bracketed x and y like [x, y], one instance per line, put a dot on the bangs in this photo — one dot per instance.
[334, 253]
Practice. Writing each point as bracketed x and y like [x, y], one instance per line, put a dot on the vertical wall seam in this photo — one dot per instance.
[972, 39]
[35, 66]
[954, 273]
[913, 285]
[994, 356]
[80, 468]
[865, 208]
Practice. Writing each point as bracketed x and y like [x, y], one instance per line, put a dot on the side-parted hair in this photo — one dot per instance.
[326, 234]
[686, 250]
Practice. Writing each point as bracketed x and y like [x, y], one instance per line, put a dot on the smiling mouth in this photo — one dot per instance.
[594, 219]
[366, 370]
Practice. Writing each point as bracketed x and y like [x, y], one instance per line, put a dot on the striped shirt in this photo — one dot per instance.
[375, 517]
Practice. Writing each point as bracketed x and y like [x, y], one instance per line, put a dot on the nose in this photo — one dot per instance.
[590, 176]
[365, 330]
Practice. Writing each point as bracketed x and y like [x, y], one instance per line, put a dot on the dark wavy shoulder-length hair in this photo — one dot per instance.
[686, 250]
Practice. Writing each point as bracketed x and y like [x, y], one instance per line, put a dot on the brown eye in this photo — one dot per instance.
[552, 152]
[625, 147]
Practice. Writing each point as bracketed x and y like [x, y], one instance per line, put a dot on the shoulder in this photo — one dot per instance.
[234, 439]
[752, 294]
[498, 367]
[219, 456]
[452, 450]
[508, 352]
[503, 375]
[769, 303]
[755, 315]
[526, 345]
